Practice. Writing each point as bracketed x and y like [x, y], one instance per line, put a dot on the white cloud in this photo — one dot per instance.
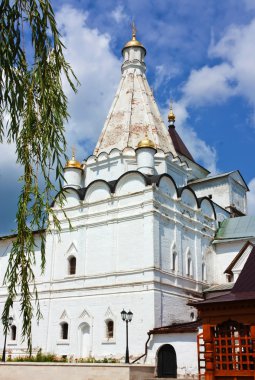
[98, 70]
[209, 85]
[118, 14]
[235, 75]
[249, 4]
[163, 74]
[251, 197]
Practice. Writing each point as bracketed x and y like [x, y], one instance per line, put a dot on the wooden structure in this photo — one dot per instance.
[226, 347]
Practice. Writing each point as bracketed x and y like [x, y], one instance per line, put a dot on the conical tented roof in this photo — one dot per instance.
[134, 112]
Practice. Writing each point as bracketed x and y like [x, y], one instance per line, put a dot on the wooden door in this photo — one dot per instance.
[167, 364]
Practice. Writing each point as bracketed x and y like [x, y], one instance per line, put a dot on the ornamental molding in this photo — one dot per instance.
[64, 315]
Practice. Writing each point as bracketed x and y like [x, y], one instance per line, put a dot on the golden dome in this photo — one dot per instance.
[171, 115]
[146, 143]
[73, 163]
[134, 41]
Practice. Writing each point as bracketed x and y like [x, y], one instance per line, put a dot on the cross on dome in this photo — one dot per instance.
[73, 163]
[134, 42]
[171, 115]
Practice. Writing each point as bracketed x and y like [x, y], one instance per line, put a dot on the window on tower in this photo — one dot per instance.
[203, 272]
[109, 329]
[72, 265]
[189, 267]
[174, 262]
[13, 332]
[64, 330]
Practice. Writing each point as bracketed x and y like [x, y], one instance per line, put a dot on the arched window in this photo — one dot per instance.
[13, 332]
[174, 262]
[189, 267]
[72, 265]
[109, 328]
[64, 330]
[203, 272]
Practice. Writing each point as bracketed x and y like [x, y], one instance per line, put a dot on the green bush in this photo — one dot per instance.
[40, 357]
[93, 360]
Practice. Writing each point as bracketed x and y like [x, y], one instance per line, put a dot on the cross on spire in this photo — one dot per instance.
[171, 115]
[134, 30]
[73, 152]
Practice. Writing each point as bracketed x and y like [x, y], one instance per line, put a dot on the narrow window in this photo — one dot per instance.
[174, 264]
[109, 329]
[72, 265]
[203, 272]
[64, 330]
[13, 332]
[189, 267]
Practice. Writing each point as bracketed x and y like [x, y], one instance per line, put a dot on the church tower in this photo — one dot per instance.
[138, 230]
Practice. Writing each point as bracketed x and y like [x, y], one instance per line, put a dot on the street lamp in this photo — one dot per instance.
[9, 323]
[126, 317]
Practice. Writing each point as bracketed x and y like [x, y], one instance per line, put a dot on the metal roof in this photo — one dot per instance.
[219, 287]
[179, 145]
[236, 228]
[209, 178]
[218, 176]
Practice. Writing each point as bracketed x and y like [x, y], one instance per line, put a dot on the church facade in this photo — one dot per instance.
[145, 218]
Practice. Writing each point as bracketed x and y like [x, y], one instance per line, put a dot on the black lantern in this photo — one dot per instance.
[126, 317]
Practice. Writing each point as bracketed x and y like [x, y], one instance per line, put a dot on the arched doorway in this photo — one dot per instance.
[84, 337]
[167, 364]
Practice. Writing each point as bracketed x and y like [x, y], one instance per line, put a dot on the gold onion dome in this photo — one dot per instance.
[146, 143]
[171, 115]
[134, 41]
[73, 163]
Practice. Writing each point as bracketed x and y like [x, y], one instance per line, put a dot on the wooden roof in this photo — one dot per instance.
[177, 328]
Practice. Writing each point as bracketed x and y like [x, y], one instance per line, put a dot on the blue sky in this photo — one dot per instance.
[200, 52]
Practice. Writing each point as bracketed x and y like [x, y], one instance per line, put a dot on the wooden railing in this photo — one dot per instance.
[233, 355]
[201, 356]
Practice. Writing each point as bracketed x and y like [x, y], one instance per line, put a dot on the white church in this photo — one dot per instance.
[151, 232]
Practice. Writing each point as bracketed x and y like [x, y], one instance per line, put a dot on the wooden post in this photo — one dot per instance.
[252, 330]
[209, 362]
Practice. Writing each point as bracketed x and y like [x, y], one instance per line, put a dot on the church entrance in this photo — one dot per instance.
[167, 364]
[84, 337]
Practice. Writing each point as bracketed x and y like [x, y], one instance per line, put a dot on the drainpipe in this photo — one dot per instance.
[146, 349]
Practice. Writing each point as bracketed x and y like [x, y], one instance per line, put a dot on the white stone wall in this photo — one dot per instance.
[185, 345]
[141, 247]
[225, 191]
[223, 255]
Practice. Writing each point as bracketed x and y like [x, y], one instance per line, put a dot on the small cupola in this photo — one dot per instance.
[145, 152]
[171, 115]
[179, 145]
[133, 54]
[72, 173]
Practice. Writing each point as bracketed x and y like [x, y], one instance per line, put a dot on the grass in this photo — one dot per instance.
[41, 357]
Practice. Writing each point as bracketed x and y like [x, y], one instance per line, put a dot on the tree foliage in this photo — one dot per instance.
[33, 108]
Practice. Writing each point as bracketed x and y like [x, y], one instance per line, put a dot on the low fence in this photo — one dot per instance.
[75, 371]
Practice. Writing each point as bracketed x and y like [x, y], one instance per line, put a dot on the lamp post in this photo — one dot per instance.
[126, 317]
[9, 323]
